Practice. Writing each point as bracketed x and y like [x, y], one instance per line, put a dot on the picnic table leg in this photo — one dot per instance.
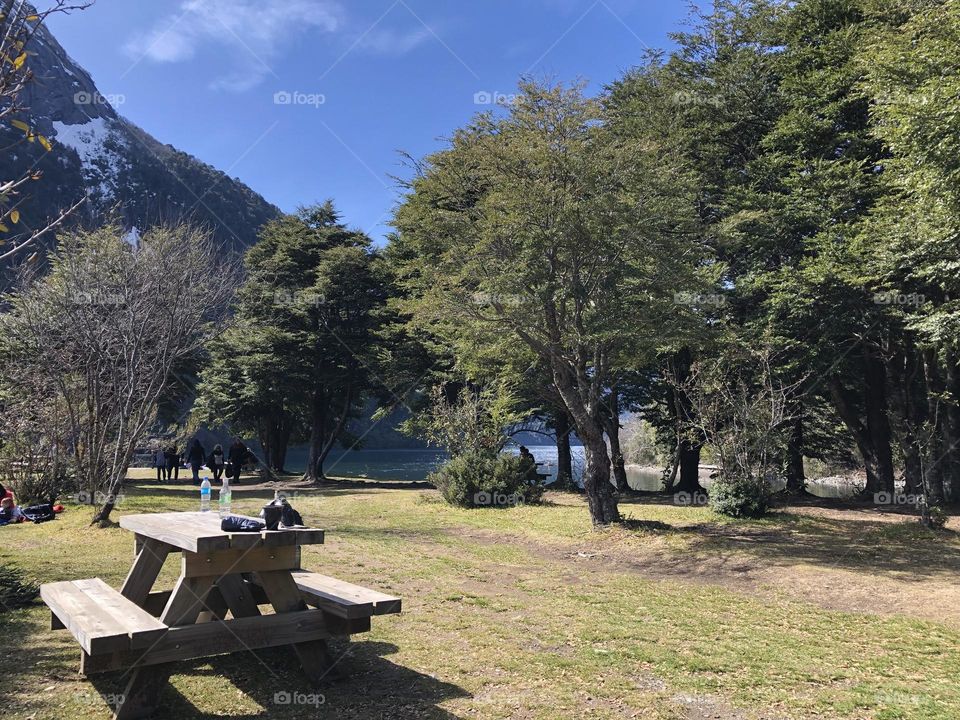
[237, 596]
[146, 567]
[142, 694]
[283, 594]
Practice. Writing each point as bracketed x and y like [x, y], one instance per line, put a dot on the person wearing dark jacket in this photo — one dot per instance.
[237, 457]
[173, 463]
[196, 456]
[216, 462]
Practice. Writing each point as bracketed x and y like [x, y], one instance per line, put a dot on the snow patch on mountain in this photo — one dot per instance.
[102, 153]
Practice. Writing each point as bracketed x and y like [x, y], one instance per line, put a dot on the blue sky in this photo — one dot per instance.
[309, 99]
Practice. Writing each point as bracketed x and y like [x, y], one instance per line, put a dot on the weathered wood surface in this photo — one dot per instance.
[189, 642]
[146, 567]
[200, 532]
[99, 617]
[285, 597]
[343, 598]
[229, 562]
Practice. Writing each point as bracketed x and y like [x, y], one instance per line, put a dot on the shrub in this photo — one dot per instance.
[485, 479]
[14, 590]
[740, 497]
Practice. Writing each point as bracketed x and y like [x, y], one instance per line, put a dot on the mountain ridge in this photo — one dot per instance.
[127, 175]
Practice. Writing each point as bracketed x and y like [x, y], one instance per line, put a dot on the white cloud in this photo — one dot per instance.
[254, 30]
[393, 42]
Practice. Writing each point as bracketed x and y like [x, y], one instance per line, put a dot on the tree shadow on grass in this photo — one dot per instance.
[853, 536]
[368, 686]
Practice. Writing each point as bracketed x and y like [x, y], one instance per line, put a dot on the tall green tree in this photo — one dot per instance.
[297, 362]
[541, 227]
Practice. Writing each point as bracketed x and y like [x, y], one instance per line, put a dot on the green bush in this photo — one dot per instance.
[740, 497]
[485, 479]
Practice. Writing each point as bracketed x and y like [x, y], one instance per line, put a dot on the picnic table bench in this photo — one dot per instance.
[214, 607]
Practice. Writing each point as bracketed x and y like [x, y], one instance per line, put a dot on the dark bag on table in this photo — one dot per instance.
[232, 523]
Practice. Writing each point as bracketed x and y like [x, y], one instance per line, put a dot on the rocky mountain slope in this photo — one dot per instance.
[126, 174]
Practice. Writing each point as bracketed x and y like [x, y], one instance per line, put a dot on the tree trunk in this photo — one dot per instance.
[843, 402]
[596, 477]
[670, 473]
[689, 463]
[318, 421]
[102, 518]
[878, 420]
[933, 455]
[561, 425]
[279, 441]
[601, 498]
[908, 410]
[612, 426]
[796, 479]
[952, 428]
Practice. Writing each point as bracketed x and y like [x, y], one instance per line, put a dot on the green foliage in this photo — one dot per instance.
[639, 443]
[487, 479]
[296, 362]
[15, 591]
[474, 421]
[740, 497]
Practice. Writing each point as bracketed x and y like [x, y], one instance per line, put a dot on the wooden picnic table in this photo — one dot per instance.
[214, 606]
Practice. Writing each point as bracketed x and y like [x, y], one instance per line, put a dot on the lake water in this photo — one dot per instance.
[417, 464]
[412, 464]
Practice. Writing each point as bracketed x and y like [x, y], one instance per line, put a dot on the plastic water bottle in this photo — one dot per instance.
[205, 495]
[225, 497]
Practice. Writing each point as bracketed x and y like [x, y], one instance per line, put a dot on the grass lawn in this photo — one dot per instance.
[527, 613]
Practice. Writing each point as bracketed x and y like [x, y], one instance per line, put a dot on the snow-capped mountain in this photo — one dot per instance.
[126, 174]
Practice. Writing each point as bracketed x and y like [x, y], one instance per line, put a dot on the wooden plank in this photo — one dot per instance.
[228, 562]
[307, 536]
[146, 568]
[285, 597]
[352, 599]
[91, 625]
[157, 601]
[186, 601]
[276, 538]
[195, 532]
[238, 596]
[141, 697]
[216, 606]
[141, 626]
[190, 642]
[245, 541]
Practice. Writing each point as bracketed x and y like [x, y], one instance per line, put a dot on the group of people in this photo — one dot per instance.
[168, 461]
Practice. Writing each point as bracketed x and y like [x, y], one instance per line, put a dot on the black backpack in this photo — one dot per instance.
[39, 513]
